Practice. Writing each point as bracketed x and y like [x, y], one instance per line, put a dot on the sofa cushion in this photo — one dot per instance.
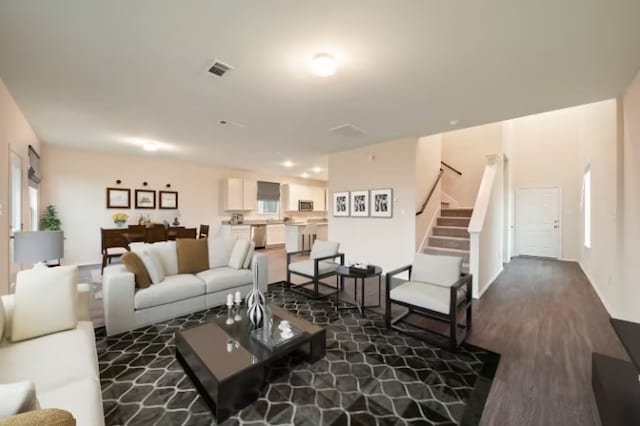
[249, 256]
[193, 255]
[323, 249]
[239, 253]
[134, 264]
[428, 296]
[439, 270]
[220, 249]
[172, 289]
[224, 278]
[46, 416]
[114, 251]
[16, 398]
[46, 301]
[81, 398]
[153, 265]
[306, 267]
[167, 254]
[53, 360]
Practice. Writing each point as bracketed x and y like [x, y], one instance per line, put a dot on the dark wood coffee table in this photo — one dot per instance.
[228, 366]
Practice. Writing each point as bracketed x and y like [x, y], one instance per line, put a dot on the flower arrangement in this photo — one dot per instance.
[120, 218]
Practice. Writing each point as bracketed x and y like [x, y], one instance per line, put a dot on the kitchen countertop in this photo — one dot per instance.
[306, 223]
[255, 222]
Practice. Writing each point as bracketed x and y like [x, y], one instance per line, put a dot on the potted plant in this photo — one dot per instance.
[50, 220]
[120, 219]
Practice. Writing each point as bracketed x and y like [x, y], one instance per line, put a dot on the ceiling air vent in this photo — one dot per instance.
[348, 131]
[219, 68]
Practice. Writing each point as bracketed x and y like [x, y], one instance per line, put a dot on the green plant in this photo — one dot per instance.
[50, 220]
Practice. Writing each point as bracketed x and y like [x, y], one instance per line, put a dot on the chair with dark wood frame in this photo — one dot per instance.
[204, 231]
[135, 233]
[436, 294]
[320, 265]
[186, 233]
[113, 245]
[156, 233]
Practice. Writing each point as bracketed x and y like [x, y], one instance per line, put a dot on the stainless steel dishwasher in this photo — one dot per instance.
[259, 235]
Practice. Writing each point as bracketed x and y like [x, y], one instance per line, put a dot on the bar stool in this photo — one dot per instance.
[309, 236]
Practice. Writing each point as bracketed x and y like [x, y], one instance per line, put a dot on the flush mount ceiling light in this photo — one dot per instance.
[305, 175]
[454, 122]
[288, 164]
[316, 169]
[150, 147]
[323, 65]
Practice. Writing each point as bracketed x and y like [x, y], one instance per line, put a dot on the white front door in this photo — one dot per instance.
[538, 222]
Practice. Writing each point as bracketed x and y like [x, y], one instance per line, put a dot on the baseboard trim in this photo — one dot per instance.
[603, 300]
[490, 282]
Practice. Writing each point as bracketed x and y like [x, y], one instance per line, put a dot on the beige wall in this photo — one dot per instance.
[467, 150]
[15, 134]
[428, 154]
[76, 180]
[389, 243]
[629, 287]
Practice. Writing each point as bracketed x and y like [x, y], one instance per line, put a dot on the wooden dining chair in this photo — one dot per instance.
[155, 234]
[113, 245]
[172, 232]
[204, 231]
[186, 233]
[136, 233]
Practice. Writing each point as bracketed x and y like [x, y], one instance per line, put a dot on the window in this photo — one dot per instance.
[586, 199]
[33, 208]
[268, 207]
[16, 192]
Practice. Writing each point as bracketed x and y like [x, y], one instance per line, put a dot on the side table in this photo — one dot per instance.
[345, 272]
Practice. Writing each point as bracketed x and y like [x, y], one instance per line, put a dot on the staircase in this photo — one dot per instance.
[449, 236]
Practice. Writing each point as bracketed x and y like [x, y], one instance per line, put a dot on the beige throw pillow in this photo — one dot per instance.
[46, 301]
[153, 265]
[134, 264]
[239, 254]
[46, 416]
[193, 255]
[16, 398]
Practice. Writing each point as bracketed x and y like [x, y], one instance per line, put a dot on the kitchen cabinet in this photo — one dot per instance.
[275, 234]
[239, 194]
[292, 193]
[242, 232]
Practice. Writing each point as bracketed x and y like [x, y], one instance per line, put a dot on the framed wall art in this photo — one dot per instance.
[145, 199]
[168, 199]
[382, 202]
[118, 198]
[341, 204]
[359, 203]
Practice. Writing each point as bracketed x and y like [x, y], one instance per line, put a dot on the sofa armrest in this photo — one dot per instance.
[261, 262]
[118, 290]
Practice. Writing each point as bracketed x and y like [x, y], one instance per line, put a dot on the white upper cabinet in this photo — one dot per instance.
[239, 194]
[292, 193]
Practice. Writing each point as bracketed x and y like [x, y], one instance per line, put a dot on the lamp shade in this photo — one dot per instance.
[38, 246]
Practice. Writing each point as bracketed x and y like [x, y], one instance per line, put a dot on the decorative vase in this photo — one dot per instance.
[255, 302]
[119, 224]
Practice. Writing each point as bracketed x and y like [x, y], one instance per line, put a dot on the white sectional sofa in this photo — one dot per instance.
[63, 365]
[127, 308]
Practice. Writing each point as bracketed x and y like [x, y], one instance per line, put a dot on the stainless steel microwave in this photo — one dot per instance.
[305, 206]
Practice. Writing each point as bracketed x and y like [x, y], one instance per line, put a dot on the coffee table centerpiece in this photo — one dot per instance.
[227, 361]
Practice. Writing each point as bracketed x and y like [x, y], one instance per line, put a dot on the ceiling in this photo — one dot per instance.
[102, 75]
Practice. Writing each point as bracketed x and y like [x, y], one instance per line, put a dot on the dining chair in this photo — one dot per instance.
[156, 233]
[113, 245]
[172, 232]
[186, 233]
[204, 231]
[135, 233]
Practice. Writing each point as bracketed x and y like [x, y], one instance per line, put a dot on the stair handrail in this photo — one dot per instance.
[458, 172]
[433, 188]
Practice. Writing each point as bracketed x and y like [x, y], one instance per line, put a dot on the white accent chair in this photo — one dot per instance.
[436, 289]
[320, 265]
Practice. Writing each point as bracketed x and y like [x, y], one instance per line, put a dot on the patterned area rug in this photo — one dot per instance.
[371, 375]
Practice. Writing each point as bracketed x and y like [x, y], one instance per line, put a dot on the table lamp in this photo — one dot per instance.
[37, 247]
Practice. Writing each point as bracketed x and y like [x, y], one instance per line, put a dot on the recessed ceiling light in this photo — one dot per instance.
[287, 164]
[150, 147]
[305, 175]
[323, 65]
[454, 122]
[316, 169]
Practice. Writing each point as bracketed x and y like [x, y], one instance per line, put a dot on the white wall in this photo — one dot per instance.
[629, 287]
[389, 243]
[428, 155]
[15, 134]
[76, 180]
[466, 150]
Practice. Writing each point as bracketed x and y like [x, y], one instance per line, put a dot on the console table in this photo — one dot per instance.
[616, 383]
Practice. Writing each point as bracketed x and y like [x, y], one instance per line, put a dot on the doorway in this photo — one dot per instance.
[538, 222]
[506, 211]
[15, 206]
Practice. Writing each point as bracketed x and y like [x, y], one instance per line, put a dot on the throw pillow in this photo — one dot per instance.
[46, 416]
[193, 255]
[46, 301]
[166, 252]
[134, 264]
[16, 398]
[220, 249]
[323, 249]
[250, 252]
[238, 254]
[1, 320]
[153, 265]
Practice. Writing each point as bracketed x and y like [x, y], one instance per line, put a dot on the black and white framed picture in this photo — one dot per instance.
[382, 202]
[168, 199]
[145, 199]
[359, 203]
[341, 204]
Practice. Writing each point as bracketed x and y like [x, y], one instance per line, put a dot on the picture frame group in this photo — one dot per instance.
[120, 198]
[376, 203]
